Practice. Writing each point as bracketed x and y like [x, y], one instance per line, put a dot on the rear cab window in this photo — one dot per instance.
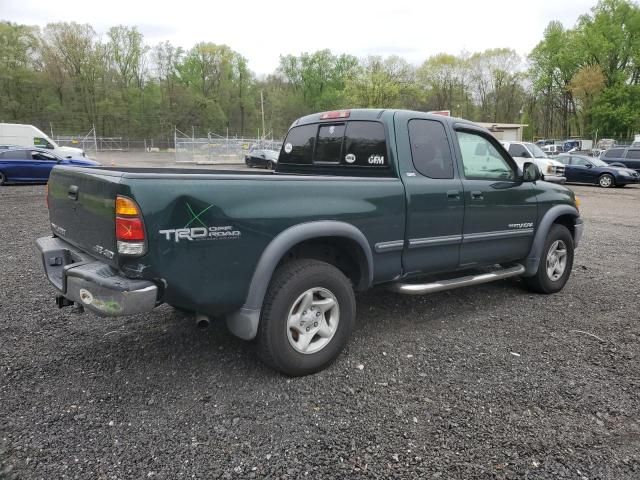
[355, 147]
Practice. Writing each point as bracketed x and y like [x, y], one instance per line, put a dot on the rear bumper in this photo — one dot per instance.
[93, 284]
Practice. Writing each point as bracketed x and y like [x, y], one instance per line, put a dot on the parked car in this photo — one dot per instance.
[584, 169]
[622, 157]
[359, 198]
[262, 158]
[31, 137]
[33, 165]
[522, 152]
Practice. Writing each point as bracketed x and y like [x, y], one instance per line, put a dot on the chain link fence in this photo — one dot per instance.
[216, 149]
[196, 149]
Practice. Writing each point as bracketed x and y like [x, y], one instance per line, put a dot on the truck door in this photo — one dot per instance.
[435, 207]
[500, 210]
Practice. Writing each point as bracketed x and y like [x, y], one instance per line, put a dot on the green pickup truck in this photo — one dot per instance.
[414, 202]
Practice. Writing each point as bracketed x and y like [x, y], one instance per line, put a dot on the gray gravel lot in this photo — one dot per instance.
[484, 382]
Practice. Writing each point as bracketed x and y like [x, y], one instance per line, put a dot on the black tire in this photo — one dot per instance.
[269, 165]
[288, 284]
[606, 181]
[3, 179]
[541, 282]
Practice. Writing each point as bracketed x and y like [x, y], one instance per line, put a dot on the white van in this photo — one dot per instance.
[30, 136]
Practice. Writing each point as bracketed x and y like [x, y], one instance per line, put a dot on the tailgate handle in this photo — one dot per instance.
[73, 192]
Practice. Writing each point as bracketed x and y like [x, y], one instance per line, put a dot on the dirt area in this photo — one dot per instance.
[476, 383]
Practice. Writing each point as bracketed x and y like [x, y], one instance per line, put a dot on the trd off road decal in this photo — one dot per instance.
[196, 229]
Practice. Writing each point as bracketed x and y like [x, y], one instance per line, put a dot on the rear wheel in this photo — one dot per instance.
[307, 317]
[270, 165]
[3, 179]
[606, 180]
[556, 262]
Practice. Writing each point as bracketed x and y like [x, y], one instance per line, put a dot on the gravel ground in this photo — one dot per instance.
[484, 382]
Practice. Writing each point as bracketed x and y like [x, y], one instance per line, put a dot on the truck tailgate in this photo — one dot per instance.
[82, 209]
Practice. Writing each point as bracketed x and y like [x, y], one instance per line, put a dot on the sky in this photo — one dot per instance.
[263, 30]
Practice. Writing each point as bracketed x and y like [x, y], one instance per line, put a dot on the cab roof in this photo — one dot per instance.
[376, 114]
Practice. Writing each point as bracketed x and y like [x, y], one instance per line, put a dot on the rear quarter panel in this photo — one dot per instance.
[212, 274]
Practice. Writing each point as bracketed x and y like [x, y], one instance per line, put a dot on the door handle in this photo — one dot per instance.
[453, 195]
[477, 196]
[73, 192]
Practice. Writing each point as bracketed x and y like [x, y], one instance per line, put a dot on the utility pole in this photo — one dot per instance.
[262, 107]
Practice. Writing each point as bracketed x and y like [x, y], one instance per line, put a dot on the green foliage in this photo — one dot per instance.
[579, 74]
[615, 112]
[580, 80]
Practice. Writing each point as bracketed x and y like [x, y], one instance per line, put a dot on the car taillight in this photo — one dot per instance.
[130, 234]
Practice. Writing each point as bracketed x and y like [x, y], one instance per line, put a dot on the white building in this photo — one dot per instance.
[506, 132]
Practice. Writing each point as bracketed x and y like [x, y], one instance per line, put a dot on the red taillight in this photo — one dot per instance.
[129, 229]
[336, 114]
[130, 234]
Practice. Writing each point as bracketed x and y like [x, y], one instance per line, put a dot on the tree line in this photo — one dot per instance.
[583, 81]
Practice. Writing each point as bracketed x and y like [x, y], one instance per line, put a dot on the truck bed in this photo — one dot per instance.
[241, 212]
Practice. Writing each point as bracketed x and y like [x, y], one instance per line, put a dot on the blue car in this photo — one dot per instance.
[584, 169]
[33, 165]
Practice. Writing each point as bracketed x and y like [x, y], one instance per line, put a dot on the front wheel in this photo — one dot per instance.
[606, 181]
[269, 165]
[3, 179]
[556, 262]
[307, 317]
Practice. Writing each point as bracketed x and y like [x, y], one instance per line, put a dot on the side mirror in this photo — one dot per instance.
[526, 154]
[588, 165]
[49, 147]
[531, 172]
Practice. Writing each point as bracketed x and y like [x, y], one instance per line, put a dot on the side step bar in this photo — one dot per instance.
[422, 288]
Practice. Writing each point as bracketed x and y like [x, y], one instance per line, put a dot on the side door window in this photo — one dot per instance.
[41, 143]
[43, 156]
[614, 153]
[42, 164]
[581, 162]
[430, 149]
[481, 159]
[633, 154]
[632, 159]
